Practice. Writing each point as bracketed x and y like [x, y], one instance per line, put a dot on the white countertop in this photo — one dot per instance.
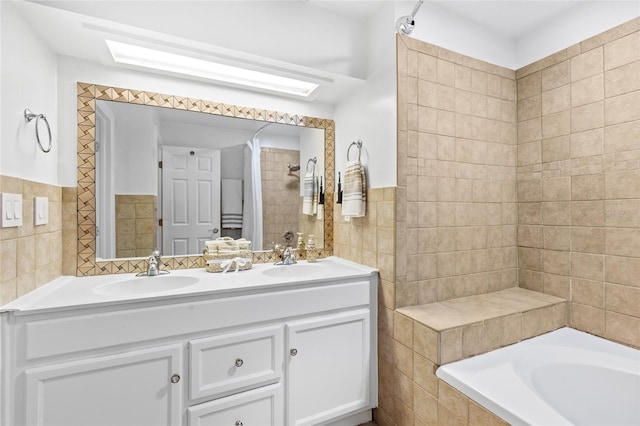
[67, 292]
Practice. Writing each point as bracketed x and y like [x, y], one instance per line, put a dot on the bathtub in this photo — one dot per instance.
[561, 378]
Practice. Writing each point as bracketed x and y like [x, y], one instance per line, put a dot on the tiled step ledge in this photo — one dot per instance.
[456, 329]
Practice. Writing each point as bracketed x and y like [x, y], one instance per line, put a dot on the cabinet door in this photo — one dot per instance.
[328, 371]
[135, 388]
[257, 407]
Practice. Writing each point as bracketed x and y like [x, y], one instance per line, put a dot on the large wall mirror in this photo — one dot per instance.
[157, 170]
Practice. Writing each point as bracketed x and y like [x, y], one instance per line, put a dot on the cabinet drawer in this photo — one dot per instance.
[257, 407]
[234, 362]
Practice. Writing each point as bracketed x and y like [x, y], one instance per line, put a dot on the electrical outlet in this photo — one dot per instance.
[40, 210]
[11, 205]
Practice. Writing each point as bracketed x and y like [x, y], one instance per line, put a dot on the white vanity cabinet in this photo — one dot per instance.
[299, 353]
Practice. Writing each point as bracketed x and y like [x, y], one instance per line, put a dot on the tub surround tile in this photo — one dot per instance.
[622, 328]
[471, 325]
[590, 229]
[568, 126]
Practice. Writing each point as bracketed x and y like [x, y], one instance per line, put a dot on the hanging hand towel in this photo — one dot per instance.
[316, 195]
[354, 196]
[231, 203]
[309, 194]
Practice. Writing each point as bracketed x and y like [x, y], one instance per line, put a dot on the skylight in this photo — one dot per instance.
[151, 58]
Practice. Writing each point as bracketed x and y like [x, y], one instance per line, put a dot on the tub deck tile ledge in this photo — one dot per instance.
[468, 326]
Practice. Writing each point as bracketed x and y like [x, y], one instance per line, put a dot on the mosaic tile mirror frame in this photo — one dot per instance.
[86, 190]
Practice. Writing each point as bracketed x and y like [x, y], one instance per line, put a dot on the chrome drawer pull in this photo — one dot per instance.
[175, 378]
[239, 363]
[238, 423]
[293, 352]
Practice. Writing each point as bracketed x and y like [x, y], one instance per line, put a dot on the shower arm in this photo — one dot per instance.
[405, 24]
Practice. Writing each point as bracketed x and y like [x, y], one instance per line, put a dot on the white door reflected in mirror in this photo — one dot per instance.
[190, 193]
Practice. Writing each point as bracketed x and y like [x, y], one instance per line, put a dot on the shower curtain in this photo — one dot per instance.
[252, 214]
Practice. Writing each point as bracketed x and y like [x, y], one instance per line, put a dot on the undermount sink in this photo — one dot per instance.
[145, 285]
[297, 269]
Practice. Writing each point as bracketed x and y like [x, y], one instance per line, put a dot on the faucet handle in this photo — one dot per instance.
[156, 253]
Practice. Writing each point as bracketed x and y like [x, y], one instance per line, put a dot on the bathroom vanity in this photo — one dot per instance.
[275, 345]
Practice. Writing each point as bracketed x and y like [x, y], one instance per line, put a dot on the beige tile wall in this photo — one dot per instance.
[457, 210]
[456, 215]
[135, 225]
[281, 193]
[69, 230]
[30, 255]
[370, 240]
[579, 181]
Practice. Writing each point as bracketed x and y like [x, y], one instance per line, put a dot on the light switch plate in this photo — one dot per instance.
[11, 205]
[40, 210]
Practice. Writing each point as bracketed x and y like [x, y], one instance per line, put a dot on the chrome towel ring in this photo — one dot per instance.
[312, 160]
[358, 145]
[28, 116]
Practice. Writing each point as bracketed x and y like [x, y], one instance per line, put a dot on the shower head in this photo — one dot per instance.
[293, 168]
[405, 24]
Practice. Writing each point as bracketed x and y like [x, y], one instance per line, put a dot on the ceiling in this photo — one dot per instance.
[511, 19]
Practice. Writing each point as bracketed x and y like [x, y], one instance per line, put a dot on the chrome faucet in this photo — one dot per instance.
[286, 255]
[153, 267]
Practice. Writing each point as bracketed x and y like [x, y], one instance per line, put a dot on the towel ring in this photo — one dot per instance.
[28, 116]
[313, 160]
[358, 144]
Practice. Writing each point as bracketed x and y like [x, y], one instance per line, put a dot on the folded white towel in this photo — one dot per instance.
[354, 196]
[231, 203]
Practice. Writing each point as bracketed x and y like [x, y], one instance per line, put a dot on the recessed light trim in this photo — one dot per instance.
[157, 59]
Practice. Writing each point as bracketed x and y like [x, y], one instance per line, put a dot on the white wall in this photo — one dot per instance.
[28, 80]
[370, 113]
[444, 29]
[584, 21]
[71, 71]
[135, 155]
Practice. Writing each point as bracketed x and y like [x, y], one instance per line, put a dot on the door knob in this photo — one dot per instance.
[213, 231]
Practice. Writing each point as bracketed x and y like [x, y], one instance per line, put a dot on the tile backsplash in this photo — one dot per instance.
[30, 255]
